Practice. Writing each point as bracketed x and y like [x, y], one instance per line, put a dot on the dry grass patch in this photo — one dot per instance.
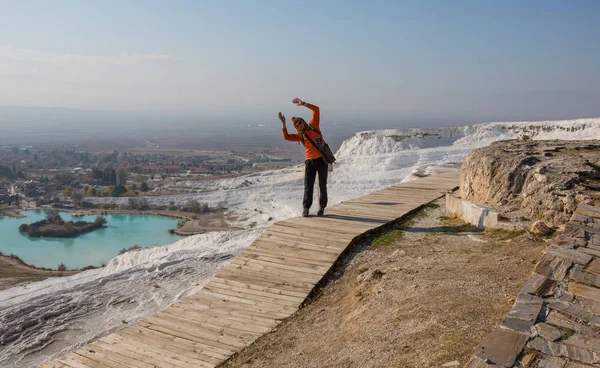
[422, 296]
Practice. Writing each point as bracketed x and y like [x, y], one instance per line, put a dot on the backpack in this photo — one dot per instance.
[324, 149]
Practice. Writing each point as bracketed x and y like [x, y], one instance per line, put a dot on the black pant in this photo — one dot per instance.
[311, 168]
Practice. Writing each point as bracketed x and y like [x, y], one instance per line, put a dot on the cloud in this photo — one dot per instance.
[66, 59]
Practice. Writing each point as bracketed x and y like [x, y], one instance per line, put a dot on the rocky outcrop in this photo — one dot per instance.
[542, 180]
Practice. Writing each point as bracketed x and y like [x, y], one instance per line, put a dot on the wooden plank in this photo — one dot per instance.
[318, 225]
[285, 258]
[189, 355]
[238, 321]
[378, 210]
[262, 308]
[233, 339]
[292, 252]
[98, 348]
[340, 243]
[97, 358]
[328, 246]
[257, 278]
[301, 268]
[254, 292]
[245, 308]
[274, 290]
[291, 300]
[180, 327]
[154, 351]
[77, 361]
[135, 357]
[187, 347]
[270, 290]
[54, 364]
[347, 221]
[247, 294]
[199, 319]
[197, 343]
[334, 227]
[276, 270]
[313, 235]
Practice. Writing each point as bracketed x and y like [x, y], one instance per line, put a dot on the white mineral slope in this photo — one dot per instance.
[43, 320]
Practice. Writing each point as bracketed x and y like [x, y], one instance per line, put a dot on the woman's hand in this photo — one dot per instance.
[282, 118]
[298, 102]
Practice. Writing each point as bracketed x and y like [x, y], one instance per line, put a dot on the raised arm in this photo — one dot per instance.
[286, 135]
[316, 117]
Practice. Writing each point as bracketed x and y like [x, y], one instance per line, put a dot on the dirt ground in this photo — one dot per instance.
[419, 294]
[13, 273]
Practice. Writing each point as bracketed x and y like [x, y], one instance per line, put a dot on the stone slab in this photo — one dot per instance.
[584, 342]
[584, 291]
[585, 278]
[566, 351]
[526, 308]
[591, 251]
[552, 362]
[548, 332]
[555, 268]
[560, 320]
[476, 362]
[572, 254]
[471, 213]
[502, 347]
[571, 310]
[594, 267]
[539, 285]
[573, 231]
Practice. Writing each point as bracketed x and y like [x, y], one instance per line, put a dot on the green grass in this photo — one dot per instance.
[387, 239]
[363, 270]
[501, 234]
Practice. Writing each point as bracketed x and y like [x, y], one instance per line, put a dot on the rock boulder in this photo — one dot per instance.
[543, 180]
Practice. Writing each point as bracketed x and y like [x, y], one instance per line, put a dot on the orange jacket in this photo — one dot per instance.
[311, 151]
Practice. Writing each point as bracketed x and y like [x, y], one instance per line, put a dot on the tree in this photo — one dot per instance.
[100, 220]
[77, 197]
[6, 172]
[67, 192]
[53, 216]
[144, 187]
[64, 178]
[118, 191]
[62, 267]
[121, 176]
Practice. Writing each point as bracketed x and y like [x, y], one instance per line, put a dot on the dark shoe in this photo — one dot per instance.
[321, 212]
[305, 212]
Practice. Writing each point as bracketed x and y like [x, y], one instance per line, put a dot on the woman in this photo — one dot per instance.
[310, 136]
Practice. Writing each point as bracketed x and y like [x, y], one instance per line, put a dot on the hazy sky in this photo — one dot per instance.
[478, 59]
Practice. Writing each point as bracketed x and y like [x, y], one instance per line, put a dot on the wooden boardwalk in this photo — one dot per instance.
[264, 285]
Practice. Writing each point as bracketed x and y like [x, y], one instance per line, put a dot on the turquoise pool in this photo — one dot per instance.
[94, 248]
